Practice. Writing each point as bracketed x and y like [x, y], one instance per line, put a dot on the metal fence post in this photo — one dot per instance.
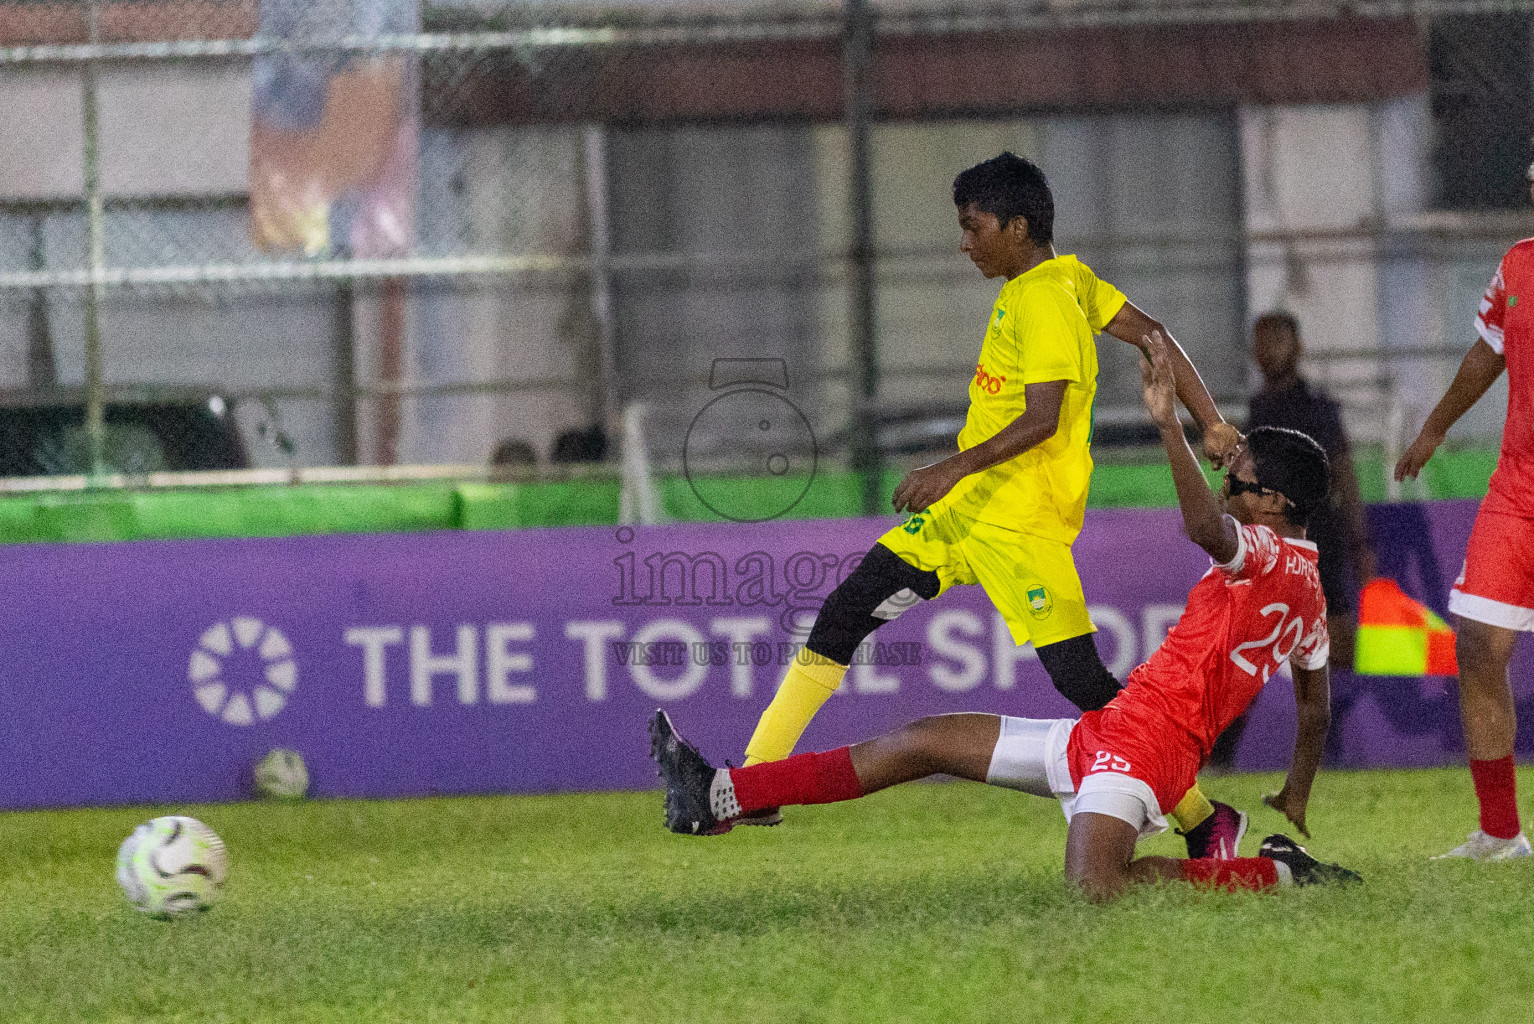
[42, 366]
[95, 405]
[608, 404]
[858, 81]
[344, 360]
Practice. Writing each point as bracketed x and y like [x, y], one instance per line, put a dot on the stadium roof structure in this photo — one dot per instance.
[567, 61]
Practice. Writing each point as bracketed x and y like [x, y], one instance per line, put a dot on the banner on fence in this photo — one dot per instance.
[528, 661]
[334, 134]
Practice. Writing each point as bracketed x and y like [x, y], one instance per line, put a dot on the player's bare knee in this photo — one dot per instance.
[1482, 657]
[1098, 882]
[923, 740]
[881, 587]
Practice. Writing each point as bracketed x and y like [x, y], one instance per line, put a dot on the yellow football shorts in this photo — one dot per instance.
[1031, 580]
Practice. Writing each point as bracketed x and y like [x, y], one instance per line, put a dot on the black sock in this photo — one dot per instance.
[1078, 673]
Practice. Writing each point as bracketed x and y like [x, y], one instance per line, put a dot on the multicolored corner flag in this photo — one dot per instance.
[1401, 637]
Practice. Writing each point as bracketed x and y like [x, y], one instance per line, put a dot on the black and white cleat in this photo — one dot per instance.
[689, 779]
[1302, 867]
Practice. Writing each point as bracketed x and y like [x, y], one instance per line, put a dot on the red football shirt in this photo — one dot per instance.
[1244, 619]
[1506, 323]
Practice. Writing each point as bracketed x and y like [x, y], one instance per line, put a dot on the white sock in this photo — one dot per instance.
[721, 796]
[1285, 876]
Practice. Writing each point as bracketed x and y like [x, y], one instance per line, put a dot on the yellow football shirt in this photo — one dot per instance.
[1041, 329]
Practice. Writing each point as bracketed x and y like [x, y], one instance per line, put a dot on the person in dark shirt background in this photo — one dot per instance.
[1337, 527]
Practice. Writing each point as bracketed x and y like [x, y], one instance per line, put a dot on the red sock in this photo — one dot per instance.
[1496, 787]
[801, 779]
[1255, 873]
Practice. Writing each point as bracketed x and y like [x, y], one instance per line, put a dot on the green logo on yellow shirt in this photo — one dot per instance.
[1039, 602]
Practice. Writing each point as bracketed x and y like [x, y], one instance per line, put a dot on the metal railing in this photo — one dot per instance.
[586, 267]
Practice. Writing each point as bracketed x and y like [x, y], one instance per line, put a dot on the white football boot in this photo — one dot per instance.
[1480, 846]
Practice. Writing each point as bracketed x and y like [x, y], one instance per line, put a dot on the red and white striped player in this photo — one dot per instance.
[1494, 595]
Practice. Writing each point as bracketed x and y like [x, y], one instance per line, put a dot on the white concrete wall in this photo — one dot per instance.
[166, 130]
[182, 130]
[40, 121]
[523, 191]
[1340, 178]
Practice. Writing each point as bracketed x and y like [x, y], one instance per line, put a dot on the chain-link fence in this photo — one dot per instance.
[377, 233]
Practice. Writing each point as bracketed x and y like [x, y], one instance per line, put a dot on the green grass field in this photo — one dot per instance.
[929, 902]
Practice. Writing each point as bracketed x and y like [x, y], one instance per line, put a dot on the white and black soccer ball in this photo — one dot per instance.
[171, 866]
[283, 775]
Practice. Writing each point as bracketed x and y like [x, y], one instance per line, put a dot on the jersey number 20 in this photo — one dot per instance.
[1285, 637]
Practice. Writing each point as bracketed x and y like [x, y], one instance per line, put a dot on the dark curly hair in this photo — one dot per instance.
[1294, 465]
[1010, 186]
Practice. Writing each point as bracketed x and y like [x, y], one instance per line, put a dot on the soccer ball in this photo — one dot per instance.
[172, 865]
[282, 774]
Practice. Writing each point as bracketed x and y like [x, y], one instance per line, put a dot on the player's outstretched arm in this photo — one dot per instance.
[1480, 369]
[1133, 325]
[1203, 518]
[1313, 701]
[1038, 423]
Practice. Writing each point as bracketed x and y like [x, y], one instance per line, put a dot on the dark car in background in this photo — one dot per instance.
[42, 433]
[932, 429]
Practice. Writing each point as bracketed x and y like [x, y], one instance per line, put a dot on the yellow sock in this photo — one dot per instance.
[1192, 809]
[810, 681]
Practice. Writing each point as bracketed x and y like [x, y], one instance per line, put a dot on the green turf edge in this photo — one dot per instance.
[1136, 481]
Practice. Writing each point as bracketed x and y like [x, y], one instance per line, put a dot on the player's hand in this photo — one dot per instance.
[1416, 456]
[1157, 381]
[923, 487]
[1221, 441]
[1290, 806]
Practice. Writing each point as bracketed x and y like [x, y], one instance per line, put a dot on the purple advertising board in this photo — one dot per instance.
[528, 661]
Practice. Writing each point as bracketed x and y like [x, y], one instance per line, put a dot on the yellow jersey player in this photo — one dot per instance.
[1004, 511]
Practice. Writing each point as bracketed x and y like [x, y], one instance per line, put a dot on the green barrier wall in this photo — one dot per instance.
[403, 508]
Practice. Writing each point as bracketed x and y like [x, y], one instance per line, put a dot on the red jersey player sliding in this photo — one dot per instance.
[1114, 770]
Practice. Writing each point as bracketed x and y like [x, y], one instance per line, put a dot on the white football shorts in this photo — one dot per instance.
[1030, 756]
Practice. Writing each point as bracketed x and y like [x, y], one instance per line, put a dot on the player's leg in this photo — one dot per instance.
[1099, 852]
[1077, 671]
[1106, 823]
[882, 587]
[1100, 860]
[702, 799]
[1337, 586]
[1490, 725]
[1494, 600]
[960, 745]
[1034, 585]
